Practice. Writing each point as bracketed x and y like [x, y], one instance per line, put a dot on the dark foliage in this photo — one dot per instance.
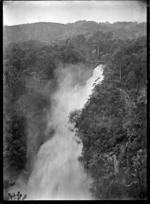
[16, 142]
[112, 126]
[30, 80]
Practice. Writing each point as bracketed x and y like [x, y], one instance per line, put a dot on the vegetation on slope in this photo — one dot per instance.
[30, 80]
[112, 127]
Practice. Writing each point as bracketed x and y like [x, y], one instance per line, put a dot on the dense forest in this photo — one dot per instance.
[111, 126]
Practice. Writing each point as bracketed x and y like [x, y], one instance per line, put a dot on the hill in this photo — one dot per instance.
[49, 32]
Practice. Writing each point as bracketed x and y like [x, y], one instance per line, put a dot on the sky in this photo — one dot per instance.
[22, 12]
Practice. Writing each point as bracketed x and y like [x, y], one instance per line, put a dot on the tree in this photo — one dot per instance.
[112, 127]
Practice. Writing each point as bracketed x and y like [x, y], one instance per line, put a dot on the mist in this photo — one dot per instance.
[56, 173]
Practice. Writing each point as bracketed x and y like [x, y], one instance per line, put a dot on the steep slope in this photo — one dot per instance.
[112, 126]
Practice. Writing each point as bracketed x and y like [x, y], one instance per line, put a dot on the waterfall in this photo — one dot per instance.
[57, 174]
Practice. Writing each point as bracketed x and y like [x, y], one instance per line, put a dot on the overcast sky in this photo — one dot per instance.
[20, 12]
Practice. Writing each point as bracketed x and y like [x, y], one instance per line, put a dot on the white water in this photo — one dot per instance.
[57, 174]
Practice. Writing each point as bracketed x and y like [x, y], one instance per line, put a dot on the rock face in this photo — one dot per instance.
[49, 32]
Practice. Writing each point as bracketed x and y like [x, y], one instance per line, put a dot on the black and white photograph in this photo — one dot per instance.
[74, 100]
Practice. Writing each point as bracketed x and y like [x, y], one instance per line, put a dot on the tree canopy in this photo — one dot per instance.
[112, 126]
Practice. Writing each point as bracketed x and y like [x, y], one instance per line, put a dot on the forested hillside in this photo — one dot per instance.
[49, 32]
[112, 126]
[30, 80]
